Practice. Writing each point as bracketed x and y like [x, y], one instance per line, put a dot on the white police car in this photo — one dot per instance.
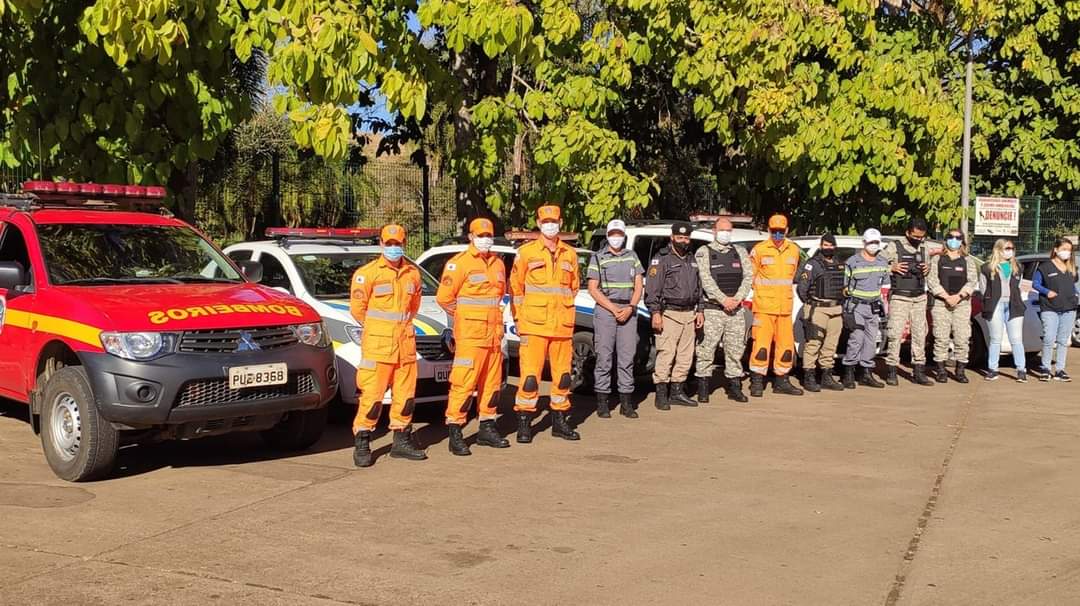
[316, 266]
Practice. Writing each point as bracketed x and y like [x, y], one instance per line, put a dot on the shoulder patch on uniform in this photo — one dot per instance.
[451, 266]
[448, 280]
[654, 262]
[808, 266]
[652, 271]
[359, 279]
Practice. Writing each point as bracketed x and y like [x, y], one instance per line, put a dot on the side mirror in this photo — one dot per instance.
[12, 275]
[252, 270]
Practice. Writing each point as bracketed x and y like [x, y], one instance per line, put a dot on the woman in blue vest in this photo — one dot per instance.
[1056, 282]
[1003, 307]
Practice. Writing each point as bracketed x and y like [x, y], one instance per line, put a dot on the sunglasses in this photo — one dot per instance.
[1008, 248]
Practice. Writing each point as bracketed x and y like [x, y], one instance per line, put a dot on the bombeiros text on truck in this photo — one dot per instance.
[120, 323]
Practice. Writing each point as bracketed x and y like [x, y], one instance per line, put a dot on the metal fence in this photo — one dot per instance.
[1041, 222]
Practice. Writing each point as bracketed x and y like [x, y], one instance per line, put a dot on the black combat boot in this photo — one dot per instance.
[703, 390]
[960, 376]
[489, 436]
[757, 385]
[524, 435]
[867, 379]
[809, 380]
[678, 396]
[361, 456]
[626, 408]
[783, 385]
[828, 381]
[940, 373]
[735, 392]
[661, 397]
[458, 446]
[918, 375]
[405, 448]
[849, 376]
[602, 409]
[890, 376]
[560, 428]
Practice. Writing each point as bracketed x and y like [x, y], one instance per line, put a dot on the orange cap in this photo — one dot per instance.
[481, 226]
[778, 222]
[548, 212]
[392, 232]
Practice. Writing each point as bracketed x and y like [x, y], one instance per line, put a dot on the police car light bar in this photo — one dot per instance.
[515, 236]
[330, 233]
[711, 218]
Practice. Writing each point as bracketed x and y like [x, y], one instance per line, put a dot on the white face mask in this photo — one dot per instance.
[616, 242]
[483, 244]
[873, 248]
[549, 229]
[1008, 254]
[1064, 254]
[723, 237]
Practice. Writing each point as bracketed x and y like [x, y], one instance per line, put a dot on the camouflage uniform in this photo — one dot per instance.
[952, 323]
[730, 328]
[905, 307]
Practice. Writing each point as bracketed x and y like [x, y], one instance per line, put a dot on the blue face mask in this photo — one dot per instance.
[777, 236]
[953, 243]
[393, 253]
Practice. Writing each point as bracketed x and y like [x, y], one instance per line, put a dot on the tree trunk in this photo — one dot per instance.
[477, 74]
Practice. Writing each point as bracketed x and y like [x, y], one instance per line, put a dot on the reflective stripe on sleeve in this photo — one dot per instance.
[466, 362]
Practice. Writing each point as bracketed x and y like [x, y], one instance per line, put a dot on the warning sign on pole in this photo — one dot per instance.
[997, 216]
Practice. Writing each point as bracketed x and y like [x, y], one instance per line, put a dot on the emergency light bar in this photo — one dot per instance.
[516, 236]
[98, 195]
[712, 218]
[330, 233]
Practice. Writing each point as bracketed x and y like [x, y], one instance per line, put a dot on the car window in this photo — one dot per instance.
[13, 247]
[435, 263]
[647, 246]
[274, 273]
[1029, 269]
[329, 275]
[240, 255]
[843, 252]
[598, 241]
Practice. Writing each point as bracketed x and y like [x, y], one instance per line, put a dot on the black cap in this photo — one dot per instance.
[831, 239]
[681, 228]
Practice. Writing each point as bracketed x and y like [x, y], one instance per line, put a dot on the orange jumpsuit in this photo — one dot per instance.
[543, 284]
[774, 273]
[471, 292]
[384, 300]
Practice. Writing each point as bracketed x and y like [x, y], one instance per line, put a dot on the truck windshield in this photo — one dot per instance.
[329, 275]
[89, 254]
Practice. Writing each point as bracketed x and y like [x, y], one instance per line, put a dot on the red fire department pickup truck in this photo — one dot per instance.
[120, 323]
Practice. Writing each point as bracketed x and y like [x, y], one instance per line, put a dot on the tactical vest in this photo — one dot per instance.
[829, 284]
[952, 273]
[726, 269]
[911, 283]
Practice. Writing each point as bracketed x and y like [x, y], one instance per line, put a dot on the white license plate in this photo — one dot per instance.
[442, 373]
[242, 377]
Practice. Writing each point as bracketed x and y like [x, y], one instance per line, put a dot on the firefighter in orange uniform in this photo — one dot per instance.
[384, 299]
[776, 261]
[543, 282]
[471, 291]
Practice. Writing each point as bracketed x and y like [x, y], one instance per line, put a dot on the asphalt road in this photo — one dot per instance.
[944, 495]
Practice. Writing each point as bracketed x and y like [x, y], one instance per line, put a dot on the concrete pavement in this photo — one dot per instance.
[944, 495]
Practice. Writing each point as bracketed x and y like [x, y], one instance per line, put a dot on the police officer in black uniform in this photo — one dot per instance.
[673, 296]
[820, 286]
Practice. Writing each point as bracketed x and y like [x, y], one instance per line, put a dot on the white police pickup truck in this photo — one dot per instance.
[316, 265]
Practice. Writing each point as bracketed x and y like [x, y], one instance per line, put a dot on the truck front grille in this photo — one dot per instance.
[237, 339]
[210, 392]
[432, 349]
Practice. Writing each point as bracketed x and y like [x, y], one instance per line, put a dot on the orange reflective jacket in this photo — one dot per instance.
[774, 274]
[384, 300]
[471, 292]
[543, 284]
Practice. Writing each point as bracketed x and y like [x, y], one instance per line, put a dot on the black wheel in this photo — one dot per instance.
[977, 352]
[79, 444]
[584, 362]
[299, 429]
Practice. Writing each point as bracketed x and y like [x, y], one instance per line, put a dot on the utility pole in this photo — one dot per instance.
[966, 169]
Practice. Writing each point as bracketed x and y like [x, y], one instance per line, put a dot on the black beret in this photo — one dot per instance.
[681, 228]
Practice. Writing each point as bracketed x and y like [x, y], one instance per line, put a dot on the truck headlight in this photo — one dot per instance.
[355, 332]
[139, 346]
[313, 334]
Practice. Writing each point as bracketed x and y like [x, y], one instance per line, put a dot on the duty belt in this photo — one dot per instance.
[824, 302]
[670, 307]
[908, 293]
[619, 301]
[711, 305]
